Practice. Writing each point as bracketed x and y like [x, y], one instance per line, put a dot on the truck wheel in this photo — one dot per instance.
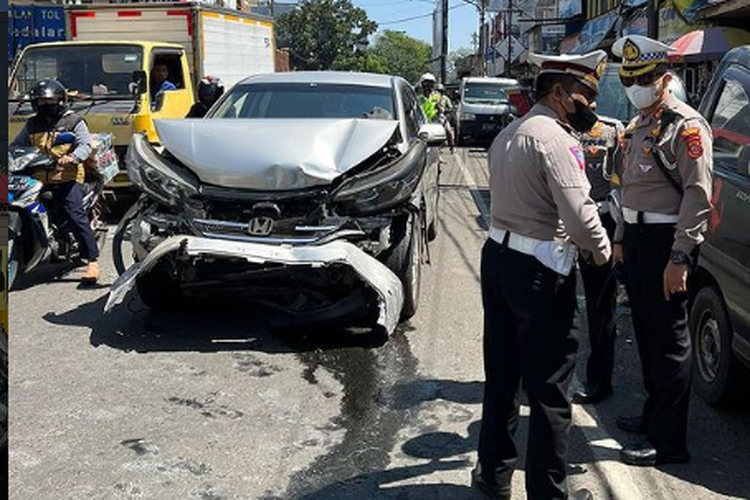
[712, 348]
[158, 290]
[405, 260]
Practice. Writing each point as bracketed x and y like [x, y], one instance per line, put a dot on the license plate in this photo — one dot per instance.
[488, 127]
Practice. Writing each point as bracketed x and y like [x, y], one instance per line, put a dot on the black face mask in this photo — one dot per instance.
[583, 118]
[49, 111]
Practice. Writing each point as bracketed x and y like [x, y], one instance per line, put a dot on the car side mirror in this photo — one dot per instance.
[433, 134]
[138, 85]
[743, 162]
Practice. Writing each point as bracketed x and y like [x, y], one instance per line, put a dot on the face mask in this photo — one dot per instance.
[583, 118]
[643, 97]
[48, 110]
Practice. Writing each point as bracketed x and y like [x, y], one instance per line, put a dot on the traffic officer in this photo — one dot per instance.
[601, 150]
[541, 212]
[666, 193]
[428, 98]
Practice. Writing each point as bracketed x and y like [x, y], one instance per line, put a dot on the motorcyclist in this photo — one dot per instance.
[428, 98]
[210, 89]
[445, 108]
[50, 102]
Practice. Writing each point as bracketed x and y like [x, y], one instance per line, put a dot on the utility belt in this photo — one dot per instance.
[639, 217]
[559, 256]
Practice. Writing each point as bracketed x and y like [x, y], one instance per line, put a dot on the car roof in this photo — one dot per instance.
[330, 77]
[489, 79]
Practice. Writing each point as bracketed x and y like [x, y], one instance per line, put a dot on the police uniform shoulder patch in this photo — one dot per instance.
[579, 156]
[693, 142]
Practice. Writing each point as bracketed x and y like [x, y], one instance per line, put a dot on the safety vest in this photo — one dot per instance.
[42, 136]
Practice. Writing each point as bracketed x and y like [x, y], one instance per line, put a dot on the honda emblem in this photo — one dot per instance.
[260, 226]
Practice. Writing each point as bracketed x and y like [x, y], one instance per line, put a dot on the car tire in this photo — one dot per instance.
[713, 359]
[405, 260]
[158, 290]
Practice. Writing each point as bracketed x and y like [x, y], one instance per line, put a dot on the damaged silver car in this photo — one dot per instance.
[313, 192]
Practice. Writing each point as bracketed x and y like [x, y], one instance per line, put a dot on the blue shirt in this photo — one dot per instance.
[165, 86]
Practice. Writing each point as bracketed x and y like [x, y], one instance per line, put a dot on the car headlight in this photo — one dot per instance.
[382, 188]
[468, 116]
[156, 176]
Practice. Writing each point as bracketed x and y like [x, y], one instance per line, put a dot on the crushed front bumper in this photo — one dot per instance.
[372, 272]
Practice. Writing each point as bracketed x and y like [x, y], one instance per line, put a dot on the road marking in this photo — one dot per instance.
[617, 476]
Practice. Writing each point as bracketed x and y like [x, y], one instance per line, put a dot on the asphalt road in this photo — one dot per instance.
[211, 404]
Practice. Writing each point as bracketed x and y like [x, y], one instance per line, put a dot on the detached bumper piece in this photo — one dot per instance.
[333, 254]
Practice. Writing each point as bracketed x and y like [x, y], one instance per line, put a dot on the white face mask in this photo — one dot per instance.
[643, 97]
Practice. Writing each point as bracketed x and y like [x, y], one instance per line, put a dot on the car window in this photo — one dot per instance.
[412, 112]
[731, 120]
[307, 101]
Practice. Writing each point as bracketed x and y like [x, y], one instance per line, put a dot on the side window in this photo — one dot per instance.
[412, 111]
[731, 120]
[166, 74]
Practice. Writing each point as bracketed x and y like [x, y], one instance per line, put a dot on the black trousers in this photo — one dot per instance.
[69, 198]
[600, 287]
[661, 331]
[528, 315]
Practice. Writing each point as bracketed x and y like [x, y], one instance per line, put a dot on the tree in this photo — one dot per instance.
[325, 34]
[402, 55]
[455, 58]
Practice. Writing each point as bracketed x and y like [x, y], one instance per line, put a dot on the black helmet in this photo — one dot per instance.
[210, 88]
[49, 89]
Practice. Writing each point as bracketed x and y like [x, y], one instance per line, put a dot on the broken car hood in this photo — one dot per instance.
[272, 154]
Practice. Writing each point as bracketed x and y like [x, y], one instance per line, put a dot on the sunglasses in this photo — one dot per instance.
[642, 80]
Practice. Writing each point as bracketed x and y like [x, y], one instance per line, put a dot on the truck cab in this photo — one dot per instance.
[720, 305]
[109, 84]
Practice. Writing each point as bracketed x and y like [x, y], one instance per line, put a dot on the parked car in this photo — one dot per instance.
[720, 306]
[484, 108]
[312, 192]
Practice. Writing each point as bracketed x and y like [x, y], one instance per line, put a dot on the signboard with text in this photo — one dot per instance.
[29, 24]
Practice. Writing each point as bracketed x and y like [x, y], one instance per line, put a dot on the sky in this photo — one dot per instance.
[393, 14]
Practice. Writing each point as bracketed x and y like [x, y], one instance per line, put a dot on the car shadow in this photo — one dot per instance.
[209, 326]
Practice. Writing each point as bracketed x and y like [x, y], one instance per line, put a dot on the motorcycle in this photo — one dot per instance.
[38, 231]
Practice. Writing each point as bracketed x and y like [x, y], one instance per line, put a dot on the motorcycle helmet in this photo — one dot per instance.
[52, 90]
[210, 89]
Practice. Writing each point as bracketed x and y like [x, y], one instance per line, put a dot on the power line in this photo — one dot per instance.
[423, 16]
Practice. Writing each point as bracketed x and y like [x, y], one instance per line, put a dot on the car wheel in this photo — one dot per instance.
[158, 289]
[712, 347]
[405, 260]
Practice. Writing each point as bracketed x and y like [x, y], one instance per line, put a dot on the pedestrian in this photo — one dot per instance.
[210, 89]
[160, 82]
[601, 150]
[541, 212]
[445, 110]
[666, 193]
[49, 100]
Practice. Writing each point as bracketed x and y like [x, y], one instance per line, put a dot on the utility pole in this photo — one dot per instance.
[444, 44]
[483, 37]
[653, 19]
[509, 20]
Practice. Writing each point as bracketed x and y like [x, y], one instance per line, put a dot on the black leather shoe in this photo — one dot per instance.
[487, 490]
[588, 396]
[636, 424]
[583, 494]
[645, 455]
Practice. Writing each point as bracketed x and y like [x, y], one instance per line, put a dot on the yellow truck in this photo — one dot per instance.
[106, 65]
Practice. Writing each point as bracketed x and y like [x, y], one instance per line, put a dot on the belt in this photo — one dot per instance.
[632, 217]
[516, 242]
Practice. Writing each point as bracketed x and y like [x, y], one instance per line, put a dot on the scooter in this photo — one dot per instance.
[38, 231]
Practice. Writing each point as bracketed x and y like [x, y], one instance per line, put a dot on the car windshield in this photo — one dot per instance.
[105, 70]
[485, 92]
[612, 100]
[307, 101]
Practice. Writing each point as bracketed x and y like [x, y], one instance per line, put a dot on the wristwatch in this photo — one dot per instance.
[678, 257]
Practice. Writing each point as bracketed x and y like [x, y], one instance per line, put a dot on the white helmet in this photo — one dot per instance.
[428, 77]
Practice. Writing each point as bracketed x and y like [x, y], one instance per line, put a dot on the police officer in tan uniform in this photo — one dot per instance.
[601, 146]
[541, 214]
[666, 193]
